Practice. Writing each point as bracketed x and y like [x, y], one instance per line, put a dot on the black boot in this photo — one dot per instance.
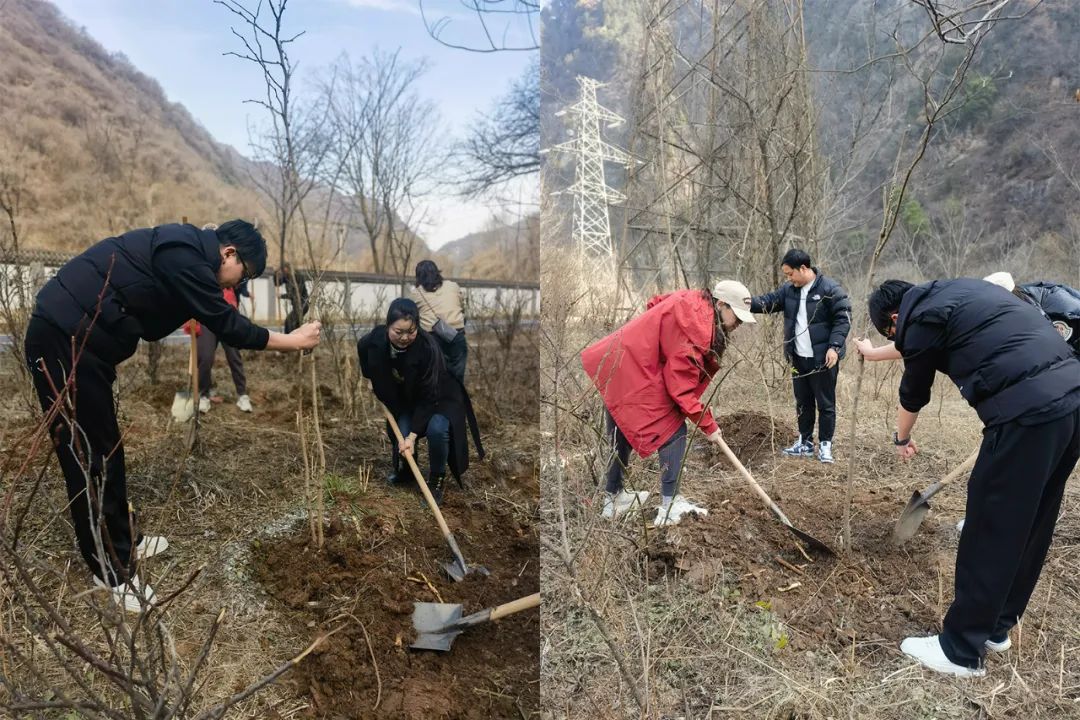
[395, 477]
[435, 485]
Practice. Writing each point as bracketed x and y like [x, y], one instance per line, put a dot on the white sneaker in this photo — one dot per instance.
[999, 647]
[204, 404]
[927, 650]
[615, 506]
[131, 595]
[801, 448]
[244, 403]
[150, 546]
[825, 451]
[673, 514]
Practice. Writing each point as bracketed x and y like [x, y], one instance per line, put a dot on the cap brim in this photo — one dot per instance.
[745, 315]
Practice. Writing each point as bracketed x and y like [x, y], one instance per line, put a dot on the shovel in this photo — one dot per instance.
[437, 624]
[185, 402]
[807, 538]
[458, 568]
[910, 520]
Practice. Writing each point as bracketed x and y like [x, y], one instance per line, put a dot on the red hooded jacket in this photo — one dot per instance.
[652, 371]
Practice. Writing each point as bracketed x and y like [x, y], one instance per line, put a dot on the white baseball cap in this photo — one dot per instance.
[735, 294]
[1002, 279]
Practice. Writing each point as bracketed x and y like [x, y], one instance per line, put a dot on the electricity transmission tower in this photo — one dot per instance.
[592, 195]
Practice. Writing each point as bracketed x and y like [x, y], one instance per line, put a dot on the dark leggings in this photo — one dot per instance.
[671, 456]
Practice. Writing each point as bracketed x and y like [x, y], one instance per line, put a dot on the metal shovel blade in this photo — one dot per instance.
[458, 570]
[431, 621]
[811, 541]
[909, 521]
[183, 408]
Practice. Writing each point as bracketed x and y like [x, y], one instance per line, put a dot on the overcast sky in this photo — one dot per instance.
[180, 44]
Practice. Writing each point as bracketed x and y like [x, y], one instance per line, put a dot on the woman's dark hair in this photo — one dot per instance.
[719, 339]
[248, 242]
[795, 259]
[428, 275]
[402, 308]
[884, 301]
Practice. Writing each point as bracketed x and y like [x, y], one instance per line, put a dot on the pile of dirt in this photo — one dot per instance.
[754, 436]
[876, 594]
[375, 563]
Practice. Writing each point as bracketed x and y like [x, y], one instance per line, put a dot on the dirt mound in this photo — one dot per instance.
[754, 436]
[373, 566]
[876, 595]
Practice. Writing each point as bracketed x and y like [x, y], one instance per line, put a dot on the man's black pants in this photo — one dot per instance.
[815, 390]
[93, 460]
[1014, 496]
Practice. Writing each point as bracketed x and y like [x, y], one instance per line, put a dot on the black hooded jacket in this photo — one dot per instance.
[1061, 305]
[828, 314]
[146, 283]
[418, 383]
[1007, 361]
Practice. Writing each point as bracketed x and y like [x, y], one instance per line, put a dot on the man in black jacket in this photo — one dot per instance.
[1024, 382]
[817, 318]
[88, 319]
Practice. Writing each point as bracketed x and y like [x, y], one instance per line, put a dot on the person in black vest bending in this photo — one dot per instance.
[817, 319]
[1024, 382]
[88, 319]
[409, 376]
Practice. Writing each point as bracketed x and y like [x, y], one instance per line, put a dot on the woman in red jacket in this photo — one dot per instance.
[651, 374]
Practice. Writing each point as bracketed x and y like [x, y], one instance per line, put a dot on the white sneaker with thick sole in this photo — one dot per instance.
[927, 651]
[128, 595]
[244, 403]
[615, 506]
[999, 647]
[825, 451]
[673, 514]
[150, 546]
[204, 404]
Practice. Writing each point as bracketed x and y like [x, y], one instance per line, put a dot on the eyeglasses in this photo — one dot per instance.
[248, 275]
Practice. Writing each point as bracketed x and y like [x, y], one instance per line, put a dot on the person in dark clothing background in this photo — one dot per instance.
[409, 376]
[141, 285]
[817, 319]
[295, 284]
[1024, 382]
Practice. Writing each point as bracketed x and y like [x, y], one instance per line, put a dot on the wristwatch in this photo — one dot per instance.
[898, 442]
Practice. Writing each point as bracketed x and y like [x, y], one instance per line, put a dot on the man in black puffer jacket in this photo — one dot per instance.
[817, 318]
[1024, 382]
[89, 318]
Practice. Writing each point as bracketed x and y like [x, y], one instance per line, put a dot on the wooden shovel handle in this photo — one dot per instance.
[518, 605]
[961, 468]
[419, 476]
[957, 472]
[749, 478]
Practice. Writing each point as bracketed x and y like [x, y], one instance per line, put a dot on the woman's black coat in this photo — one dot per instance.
[424, 389]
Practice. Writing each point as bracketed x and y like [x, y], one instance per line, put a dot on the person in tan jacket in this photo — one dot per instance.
[437, 298]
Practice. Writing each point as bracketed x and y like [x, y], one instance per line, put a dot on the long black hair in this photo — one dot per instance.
[428, 275]
[719, 339]
[405, 309]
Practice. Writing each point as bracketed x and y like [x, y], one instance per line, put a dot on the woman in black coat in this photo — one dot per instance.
[408, 374]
